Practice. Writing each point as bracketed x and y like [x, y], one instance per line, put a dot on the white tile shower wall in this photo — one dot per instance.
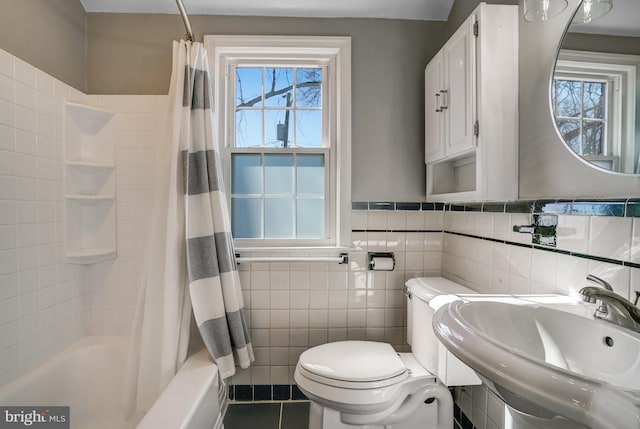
[112, 285]
[42, 299]
[493, 267]
[294, 306]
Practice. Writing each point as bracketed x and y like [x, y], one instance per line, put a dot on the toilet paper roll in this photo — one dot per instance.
[382, 264]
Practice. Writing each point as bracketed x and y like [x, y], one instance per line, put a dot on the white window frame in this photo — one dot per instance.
[227, 51]
[621, 71]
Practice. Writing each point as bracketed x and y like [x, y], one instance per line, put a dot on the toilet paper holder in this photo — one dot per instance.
[383, 259]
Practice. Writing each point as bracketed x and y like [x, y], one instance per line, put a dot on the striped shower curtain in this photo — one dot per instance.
[189, 265]
[214, 284]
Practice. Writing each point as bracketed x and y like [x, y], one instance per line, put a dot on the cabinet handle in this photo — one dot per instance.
[445, 99]
[438, 106]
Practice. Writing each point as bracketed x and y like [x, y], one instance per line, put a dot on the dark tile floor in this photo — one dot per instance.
[267, 415]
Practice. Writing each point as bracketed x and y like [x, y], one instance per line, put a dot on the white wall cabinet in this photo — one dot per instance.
[90, 184]
[471, 110]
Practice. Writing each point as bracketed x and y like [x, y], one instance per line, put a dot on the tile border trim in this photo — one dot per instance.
[622, 207]
[265, 392]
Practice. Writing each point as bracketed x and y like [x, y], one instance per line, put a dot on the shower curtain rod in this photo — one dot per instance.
[185, 19]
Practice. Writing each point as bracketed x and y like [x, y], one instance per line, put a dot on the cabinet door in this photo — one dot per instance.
[459, 57]
[433, 111]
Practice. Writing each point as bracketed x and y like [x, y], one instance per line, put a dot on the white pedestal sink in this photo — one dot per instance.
[548, 358]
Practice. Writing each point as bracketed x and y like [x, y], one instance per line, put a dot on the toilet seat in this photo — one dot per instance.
[363, 398]
[353, 365]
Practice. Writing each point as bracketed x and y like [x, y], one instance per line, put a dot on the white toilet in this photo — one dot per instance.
[366, 384]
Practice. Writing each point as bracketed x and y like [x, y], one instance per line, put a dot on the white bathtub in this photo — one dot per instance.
[89, 377]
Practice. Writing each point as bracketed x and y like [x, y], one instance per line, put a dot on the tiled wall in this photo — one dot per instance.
[481, 251]
[112, 286]
[42, 299]
[45, 304]
[293, 306]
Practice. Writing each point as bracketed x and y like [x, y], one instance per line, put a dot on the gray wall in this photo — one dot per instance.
[48, 34]
[131, 54]
[602, 43]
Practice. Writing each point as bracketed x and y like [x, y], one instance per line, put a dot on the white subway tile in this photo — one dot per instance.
[45, 126]
[24, 73]
[27, 211]
[635, 245]
[45, 104]
[7, 113]
[26, 165]
[7, 237]
[318, 280]
[27, 258]
[25, 96]
[8, 261]
[610, 237]
[26, 142]
[8, 310]
[25, 119]
[6, 63]
[6, 89]
[358, 219]
[46, 147]
[7, 138]
[519, 219]
[44, 83]
[572, 272]
[415, 220]
[356, 298]
[377, 220]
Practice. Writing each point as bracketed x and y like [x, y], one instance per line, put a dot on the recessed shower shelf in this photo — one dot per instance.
[89, 119]
[89, 167]
[90, 184]
[90, 199]
[90, 256]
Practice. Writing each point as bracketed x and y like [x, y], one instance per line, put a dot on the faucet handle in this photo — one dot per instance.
[637, 297]
[599, 282]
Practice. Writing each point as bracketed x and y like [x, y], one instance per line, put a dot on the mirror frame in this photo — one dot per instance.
[548, 167]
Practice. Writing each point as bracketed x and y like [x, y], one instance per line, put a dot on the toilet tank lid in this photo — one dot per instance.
[426, 288]
[358, 361]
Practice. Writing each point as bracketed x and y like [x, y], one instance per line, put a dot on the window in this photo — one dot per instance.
[582, 111]
[593, 101]
[283, 113]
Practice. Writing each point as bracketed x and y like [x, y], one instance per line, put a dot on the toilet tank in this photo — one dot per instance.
[425, 346]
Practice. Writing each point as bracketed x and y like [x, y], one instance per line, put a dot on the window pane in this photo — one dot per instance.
[570, 131]
[278, 174]
[248, 128]
[276, 131]
[278, 87]
[308, 128]
[594, 100]
[308, 87]
[246, 176]
[310, 217]
[246, 218]
[592, 138]
[310, 175]
[278, 218]
[249, 87]
[568, 98]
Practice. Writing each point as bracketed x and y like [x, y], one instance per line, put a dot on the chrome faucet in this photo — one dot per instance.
[611, 307]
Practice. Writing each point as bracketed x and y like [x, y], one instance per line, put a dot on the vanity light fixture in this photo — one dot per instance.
[592, 9]
[542, 10]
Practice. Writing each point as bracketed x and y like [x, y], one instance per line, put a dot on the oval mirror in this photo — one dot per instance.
[595, 94]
